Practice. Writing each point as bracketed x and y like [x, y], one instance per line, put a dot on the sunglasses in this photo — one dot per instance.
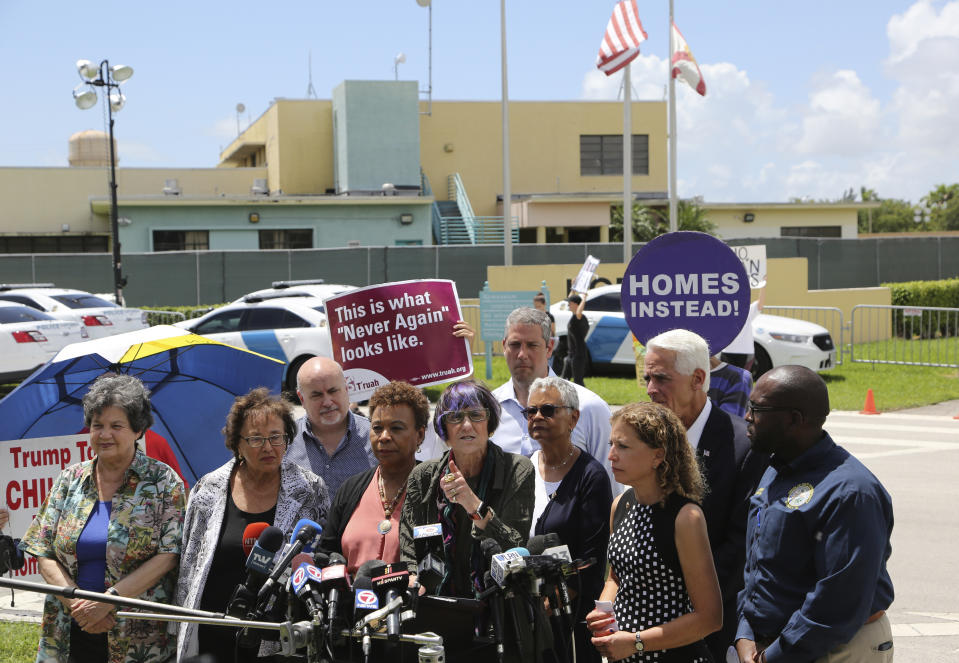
[547, 410]
[459, 416]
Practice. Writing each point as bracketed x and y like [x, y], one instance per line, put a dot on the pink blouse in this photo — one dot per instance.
[361, 541]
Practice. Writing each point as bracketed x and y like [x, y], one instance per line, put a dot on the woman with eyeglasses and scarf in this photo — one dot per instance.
[573, 496]
[475, 491]
[257, 485]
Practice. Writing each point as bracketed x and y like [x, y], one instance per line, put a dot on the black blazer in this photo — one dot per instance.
[732, 473]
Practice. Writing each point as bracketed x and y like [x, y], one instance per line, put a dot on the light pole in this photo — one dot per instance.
[85, 97]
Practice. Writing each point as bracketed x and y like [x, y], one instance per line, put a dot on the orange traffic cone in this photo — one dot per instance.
[870, 406]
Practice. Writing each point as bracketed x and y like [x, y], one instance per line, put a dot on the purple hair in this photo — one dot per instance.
[463, 395]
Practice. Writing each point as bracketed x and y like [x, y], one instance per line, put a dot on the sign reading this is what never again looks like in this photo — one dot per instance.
[398, 331]
[686, 280]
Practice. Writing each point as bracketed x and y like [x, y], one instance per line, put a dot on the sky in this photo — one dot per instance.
[804, 100]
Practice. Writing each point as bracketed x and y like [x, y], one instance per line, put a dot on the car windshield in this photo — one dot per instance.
[83, 300]
[320, 308]
[21, 314]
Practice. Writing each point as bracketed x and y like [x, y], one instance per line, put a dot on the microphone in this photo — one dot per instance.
[365, 601]
[334, 580]
[503, 565]
[251, 534]
[390, 586]
[431, 568]
[560, 552]
[258, 561]
[302, 582]
[305, 535]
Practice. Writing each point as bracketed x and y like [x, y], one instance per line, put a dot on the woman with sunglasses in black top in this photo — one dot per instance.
[572, 496]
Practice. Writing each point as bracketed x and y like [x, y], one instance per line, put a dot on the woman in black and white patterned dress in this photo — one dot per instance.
[662, 580]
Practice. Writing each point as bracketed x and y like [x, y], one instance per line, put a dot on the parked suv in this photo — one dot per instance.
[99, 316]
[29, 338]
[288, 326]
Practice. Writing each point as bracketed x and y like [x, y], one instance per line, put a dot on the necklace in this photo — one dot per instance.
[384, 526]
[565, 460]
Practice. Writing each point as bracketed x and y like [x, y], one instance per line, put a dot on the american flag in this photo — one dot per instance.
[623, 35]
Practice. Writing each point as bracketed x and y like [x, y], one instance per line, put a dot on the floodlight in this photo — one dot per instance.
[84, 98]
[117, 100]
[121, 72]
[87, 69]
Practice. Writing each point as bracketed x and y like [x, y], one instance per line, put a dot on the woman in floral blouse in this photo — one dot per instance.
[110, 524]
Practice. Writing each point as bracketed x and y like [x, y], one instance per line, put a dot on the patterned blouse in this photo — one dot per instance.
[146, 519]
[302, 495]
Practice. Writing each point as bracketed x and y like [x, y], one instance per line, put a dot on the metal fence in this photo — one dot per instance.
[170, 317]
[912, 335]
[829, 317]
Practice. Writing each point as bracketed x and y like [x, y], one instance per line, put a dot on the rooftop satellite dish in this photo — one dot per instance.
[240, 108]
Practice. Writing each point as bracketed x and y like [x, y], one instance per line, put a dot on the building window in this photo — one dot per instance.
[54, 244]
[603, 155]
[286, 239]
[810, 231]
[181, 240]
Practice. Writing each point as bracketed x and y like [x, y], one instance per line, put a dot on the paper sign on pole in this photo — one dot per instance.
[398, 331]
[28, 469]
[585, 276]
[753, 258]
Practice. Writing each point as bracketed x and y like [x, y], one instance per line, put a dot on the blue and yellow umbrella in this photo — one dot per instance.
[192, 380]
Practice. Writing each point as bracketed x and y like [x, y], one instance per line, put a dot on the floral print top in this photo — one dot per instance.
[146, 519]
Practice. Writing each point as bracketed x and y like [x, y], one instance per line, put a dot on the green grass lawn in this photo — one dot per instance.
[18, 642]
[894, 387]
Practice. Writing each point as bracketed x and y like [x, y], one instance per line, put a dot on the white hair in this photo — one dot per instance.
[565, 388]
[691, 350]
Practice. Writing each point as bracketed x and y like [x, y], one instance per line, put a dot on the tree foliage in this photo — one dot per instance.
[649, 223]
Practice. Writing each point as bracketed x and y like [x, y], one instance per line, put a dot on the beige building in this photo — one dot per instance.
[314, 173]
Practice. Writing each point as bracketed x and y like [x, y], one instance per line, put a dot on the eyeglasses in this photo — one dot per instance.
[752, 407]
[459, 416]
[256, 441]
[547, 410]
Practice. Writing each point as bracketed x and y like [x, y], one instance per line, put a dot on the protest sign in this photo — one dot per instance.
[28, 469]
[686, 280]
[753, 258]
[398, 331]
[585, 276]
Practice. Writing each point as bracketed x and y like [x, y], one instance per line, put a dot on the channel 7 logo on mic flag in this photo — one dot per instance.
[366, 599]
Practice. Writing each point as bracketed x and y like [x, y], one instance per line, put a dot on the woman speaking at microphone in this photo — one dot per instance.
[256, 485]
[475, 491]
[364, 520]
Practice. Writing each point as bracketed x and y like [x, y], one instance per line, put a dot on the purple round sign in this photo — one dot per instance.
[686, 280]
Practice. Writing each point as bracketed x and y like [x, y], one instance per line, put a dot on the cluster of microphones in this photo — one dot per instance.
[292, 581]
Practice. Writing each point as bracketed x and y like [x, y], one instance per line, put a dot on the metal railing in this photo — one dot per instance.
[905, 335]
[457, 192]
[829, 317]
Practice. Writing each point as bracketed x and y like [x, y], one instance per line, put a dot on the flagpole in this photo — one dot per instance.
[507, 194]
[627, 166]
[673, 225]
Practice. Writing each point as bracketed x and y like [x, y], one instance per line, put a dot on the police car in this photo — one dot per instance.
[29, 338]
[285, 325]
[304, 288]
[778, 341]
[99, 316]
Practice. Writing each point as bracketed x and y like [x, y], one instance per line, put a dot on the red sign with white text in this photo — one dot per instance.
[398, 331]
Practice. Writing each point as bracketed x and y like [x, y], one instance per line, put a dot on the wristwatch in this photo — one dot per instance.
[639, 643]
[113, 591]
[481, 512]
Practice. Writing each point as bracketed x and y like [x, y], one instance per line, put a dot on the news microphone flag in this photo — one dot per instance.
[620, 44]
[683, 65]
